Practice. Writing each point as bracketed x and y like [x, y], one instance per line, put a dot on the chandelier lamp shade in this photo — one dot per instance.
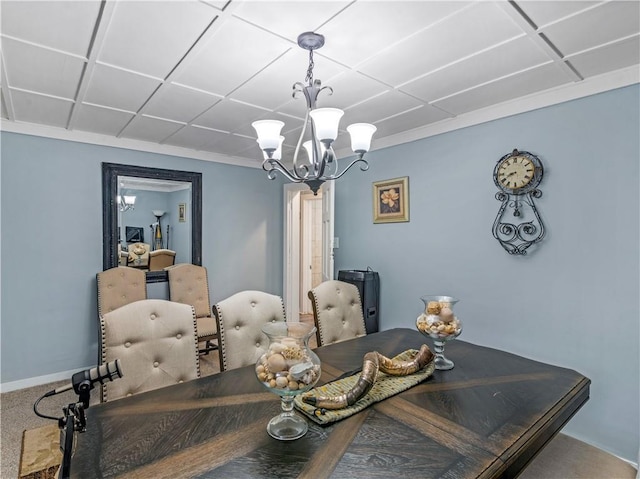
[126, 202]
[321, 163]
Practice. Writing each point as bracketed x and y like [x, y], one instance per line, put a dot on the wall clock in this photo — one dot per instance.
[518, 224]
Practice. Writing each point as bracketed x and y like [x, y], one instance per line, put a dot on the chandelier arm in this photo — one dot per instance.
[301, 170]
[363, 167]
[277, 166]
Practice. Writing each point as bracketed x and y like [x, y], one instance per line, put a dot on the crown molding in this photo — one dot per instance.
[553, 96]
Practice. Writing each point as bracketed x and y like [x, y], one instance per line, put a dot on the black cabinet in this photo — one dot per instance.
[368, 283]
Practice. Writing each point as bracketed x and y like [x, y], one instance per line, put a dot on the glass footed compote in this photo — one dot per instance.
[288, 368]
[440, 324]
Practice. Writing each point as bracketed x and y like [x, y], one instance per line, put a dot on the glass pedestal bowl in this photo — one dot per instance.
[440, 324]
[288, 368]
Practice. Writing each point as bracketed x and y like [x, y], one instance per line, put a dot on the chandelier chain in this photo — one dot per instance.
[309, 77]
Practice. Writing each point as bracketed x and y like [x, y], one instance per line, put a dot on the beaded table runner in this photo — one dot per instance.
[384, 387]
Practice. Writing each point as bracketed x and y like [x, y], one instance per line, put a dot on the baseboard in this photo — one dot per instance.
[38, 380]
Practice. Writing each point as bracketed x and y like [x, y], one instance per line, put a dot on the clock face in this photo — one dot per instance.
[515, 172]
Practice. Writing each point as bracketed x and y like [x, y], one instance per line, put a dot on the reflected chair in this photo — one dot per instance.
[160, 259]
[189, 284]
[119, 286]
[156, 343]
[337, 312]
[138, 255]
[240, 319]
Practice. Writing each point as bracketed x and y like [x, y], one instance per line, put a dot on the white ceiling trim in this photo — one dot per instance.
[591, 86]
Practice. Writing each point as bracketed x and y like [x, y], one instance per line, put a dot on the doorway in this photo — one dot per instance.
[308, 241]
[310, 247]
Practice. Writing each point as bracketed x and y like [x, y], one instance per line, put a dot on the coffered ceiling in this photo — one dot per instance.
[188, 77]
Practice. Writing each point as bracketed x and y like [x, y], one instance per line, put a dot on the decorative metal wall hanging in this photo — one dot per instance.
[518, 175]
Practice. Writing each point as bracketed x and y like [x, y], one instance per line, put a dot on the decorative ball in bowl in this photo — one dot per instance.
[288, 368]
[439, 323]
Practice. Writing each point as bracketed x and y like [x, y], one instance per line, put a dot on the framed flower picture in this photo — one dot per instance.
[391, 200]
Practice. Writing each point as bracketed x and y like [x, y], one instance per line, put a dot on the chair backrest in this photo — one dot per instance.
[119, 286]
[337, 312]
[189, 284]
[240, 319]
[161, 258]
[155, 341]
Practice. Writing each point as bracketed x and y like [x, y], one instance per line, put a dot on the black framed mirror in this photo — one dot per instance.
[116, 200]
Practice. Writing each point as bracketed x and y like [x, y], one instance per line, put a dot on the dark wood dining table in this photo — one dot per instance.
[487, 417]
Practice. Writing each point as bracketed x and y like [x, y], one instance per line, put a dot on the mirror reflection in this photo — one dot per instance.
[152, 218]
[153, 230]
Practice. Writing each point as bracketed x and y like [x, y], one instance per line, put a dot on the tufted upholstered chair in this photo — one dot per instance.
[240, 319]
[337, 312]
[189, 284]
[156, 343]
[159, 259]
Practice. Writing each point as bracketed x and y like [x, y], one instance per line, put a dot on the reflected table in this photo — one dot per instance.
[487, 417]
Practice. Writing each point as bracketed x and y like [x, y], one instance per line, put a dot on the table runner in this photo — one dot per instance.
[384, 387]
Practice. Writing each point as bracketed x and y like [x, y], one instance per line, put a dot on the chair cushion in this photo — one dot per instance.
[119, 286]
[156, 343]
[338, 311]
[206, 327]
[240, 320]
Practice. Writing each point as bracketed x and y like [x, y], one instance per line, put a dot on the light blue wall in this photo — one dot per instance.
[51, 248]
[573, 301]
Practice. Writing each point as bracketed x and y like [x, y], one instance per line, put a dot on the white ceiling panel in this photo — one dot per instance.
[349, 88]
[105, 121]
[190, 137]
[456, 37]
[280, 76]
[40, 109]
[179, 103]
[150, 129]
[232, 146]
[65, 26]
[227, 115]
[611, 57]
[235, 53]
[120, 89]
[143, 69]
[3, 107]
[152, 37]
[597, 26]
[423, 115]
[349, 35]
[40, 70]
[508, 88]
[379, 108]
[502, 60]
[545, 12]
[288, 18]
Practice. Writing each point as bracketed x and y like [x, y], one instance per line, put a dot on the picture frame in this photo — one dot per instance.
[182, 212]
[391, 200]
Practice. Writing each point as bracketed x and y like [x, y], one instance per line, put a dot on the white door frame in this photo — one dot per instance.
[291, 248]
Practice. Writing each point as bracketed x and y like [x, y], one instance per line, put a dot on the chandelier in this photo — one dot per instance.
[126, 202]
[321, 163]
